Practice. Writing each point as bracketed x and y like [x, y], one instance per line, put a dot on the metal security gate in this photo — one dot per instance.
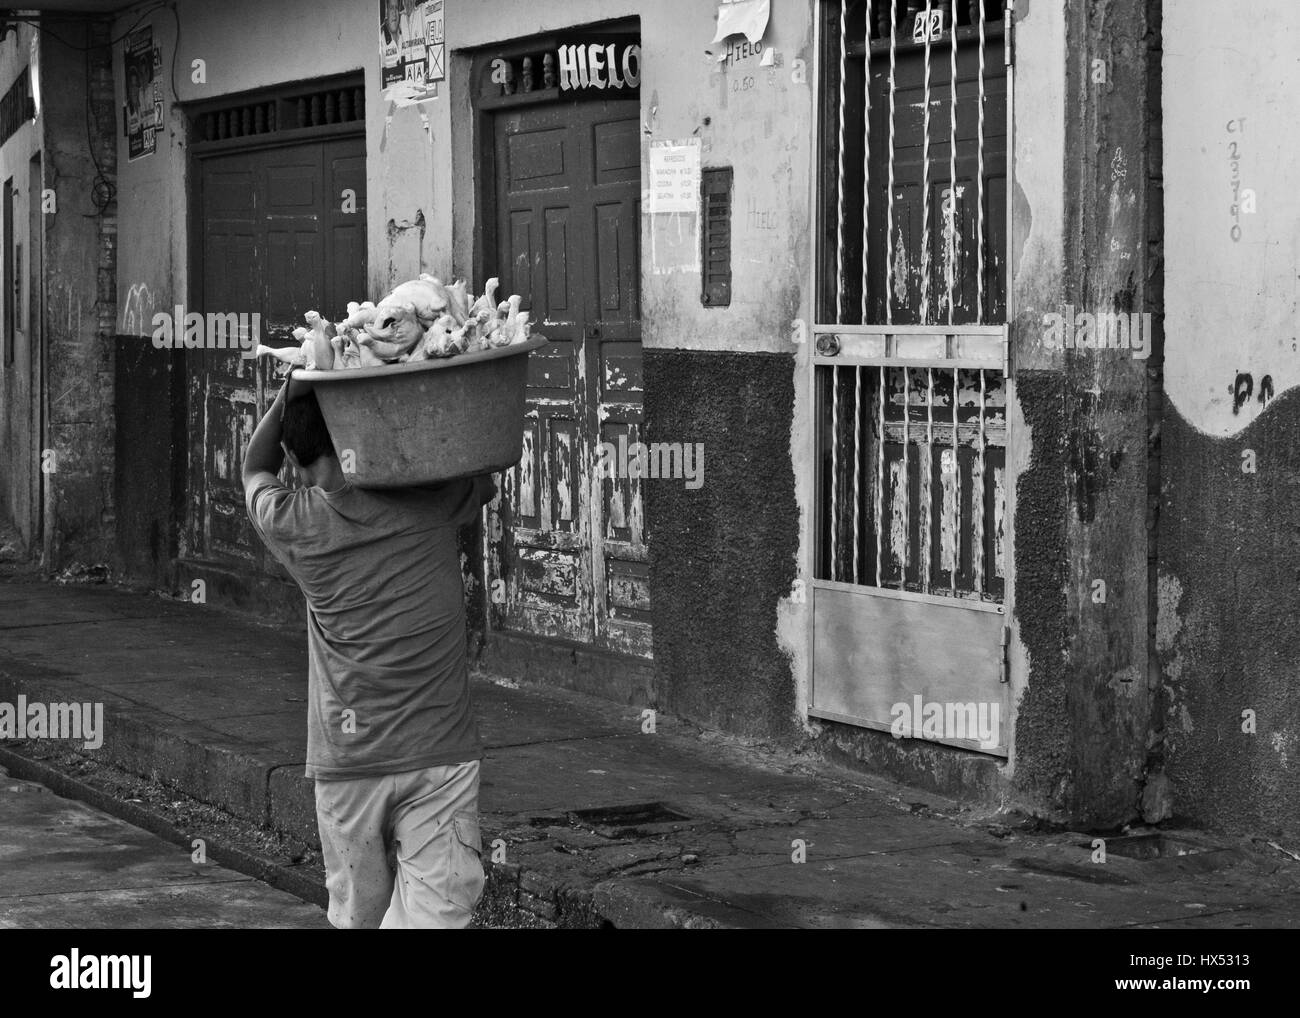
[910, 367]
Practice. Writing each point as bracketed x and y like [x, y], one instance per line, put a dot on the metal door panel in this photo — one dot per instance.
[944, 656]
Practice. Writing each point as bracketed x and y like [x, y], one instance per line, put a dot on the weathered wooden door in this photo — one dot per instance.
[279, 237]
[569, 547]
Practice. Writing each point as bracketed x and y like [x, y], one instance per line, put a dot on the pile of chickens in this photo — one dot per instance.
[420, 320]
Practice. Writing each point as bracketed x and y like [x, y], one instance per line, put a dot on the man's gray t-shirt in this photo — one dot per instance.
[388, 682]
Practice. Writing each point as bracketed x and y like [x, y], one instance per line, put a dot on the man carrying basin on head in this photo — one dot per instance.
[392, 740]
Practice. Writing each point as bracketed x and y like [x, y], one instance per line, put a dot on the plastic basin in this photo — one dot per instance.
[432, 421]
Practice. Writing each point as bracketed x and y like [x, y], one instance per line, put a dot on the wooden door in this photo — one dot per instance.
[569, 547]
[279, 239]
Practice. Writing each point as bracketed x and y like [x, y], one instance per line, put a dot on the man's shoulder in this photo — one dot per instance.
[258, 481]
[265, 493]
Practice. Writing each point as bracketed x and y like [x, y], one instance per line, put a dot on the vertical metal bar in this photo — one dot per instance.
[979, 180]
[925, 179]
[857, 463]
[1008, 290]
[866, 153]
[839, 222]
[880, 486]
[977, 499]
[956, 487]
[927, 493]
[835, 470]
[889, 218]
[952, 160]
[907, 483]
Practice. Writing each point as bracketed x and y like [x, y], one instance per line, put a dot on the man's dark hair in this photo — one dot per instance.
[303, 430]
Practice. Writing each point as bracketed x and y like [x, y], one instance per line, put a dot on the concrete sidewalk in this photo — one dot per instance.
[67, 866]
[590, 820]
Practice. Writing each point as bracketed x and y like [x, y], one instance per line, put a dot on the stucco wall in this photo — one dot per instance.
[1229, 558]
[726, 555]
[79, 251]
[64, 352]
[244, 46]
[1083, 514]
[755, 119]
[20, 441]
[1079, 460]
[767, 132]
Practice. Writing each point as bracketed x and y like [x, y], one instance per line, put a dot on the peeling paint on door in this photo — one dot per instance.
[572, 559]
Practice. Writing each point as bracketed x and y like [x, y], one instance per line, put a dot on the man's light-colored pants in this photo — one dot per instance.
[429, 820]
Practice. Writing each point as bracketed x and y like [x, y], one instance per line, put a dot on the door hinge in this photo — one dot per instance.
[1004, 659]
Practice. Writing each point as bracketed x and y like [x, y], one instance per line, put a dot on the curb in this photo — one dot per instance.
[508, 886]
[282, 878]
[276, 798]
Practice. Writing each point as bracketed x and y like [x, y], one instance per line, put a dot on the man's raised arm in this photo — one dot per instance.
[264, 455]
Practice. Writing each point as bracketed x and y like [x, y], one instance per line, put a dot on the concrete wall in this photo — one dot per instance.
[1081, 513]
[66, 343]
[1097, 737]
[732, 645]
[1229, 557]
[243, 46]
[20, 416]
[761, 127]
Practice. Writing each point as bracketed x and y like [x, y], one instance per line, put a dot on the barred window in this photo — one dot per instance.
[910, 358]
[894, 132]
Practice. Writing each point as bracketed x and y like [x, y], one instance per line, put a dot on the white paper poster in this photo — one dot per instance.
[743, 17]
[675, 176]
[412, 50]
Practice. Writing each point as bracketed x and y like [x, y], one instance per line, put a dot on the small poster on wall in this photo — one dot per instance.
[412, 50]
[673, 206]
[675, 176]
[143, 114]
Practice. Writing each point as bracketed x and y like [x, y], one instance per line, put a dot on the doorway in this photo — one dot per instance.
[910, 373]
[278, 229]
[567, 550]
